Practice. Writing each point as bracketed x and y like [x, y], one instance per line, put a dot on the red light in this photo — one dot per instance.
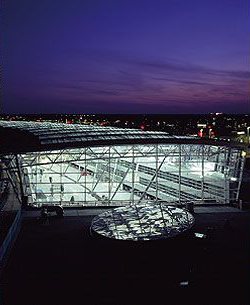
[200, 133]
[104, 123]
[142, 126]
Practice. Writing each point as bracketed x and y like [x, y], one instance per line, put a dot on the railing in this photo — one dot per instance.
[119, 203]
[10, 239]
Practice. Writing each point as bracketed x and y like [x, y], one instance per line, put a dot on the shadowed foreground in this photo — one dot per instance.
[59, 262]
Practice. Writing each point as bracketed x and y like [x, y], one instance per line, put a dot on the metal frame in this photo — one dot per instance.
[116, 174]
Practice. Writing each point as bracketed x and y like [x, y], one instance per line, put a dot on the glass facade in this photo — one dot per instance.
[120, 175]
[86, 165]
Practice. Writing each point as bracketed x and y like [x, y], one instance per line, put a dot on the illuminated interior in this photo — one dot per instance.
[119, 175]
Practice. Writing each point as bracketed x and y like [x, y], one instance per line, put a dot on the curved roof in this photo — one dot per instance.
[20, 137]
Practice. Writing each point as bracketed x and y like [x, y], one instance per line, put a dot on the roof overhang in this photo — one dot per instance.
[22, 137]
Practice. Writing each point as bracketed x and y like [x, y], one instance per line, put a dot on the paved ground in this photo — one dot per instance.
[59, 262]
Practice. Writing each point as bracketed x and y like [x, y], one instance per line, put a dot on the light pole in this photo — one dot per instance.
[248, 139]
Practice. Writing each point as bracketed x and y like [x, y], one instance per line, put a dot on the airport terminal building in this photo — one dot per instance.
[87, 165]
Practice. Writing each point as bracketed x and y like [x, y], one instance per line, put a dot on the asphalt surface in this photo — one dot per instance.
[59, 262]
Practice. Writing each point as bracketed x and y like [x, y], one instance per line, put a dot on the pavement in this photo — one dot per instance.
[58, 262]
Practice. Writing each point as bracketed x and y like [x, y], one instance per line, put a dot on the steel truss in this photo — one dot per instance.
[103, 175]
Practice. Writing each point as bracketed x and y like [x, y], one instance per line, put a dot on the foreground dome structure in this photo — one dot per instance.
[87, 165]
[142, 222]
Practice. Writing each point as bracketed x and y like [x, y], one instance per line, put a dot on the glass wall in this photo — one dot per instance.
[119, 175]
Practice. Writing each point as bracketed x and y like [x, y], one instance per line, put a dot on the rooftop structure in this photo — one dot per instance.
[20, 137]
[85, 165]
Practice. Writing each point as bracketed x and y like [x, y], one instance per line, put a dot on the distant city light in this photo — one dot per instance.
[243, 154]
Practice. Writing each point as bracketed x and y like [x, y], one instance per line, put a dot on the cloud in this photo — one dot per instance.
[230, 74]
[180, 81]
[124, 79]
[158, 64]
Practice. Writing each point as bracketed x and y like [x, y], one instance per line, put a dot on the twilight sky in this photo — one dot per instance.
[125, 56]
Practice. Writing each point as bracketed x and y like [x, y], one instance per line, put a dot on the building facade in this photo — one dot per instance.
[77, 165]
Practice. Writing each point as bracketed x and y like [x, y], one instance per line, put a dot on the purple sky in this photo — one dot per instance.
[125, 56]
